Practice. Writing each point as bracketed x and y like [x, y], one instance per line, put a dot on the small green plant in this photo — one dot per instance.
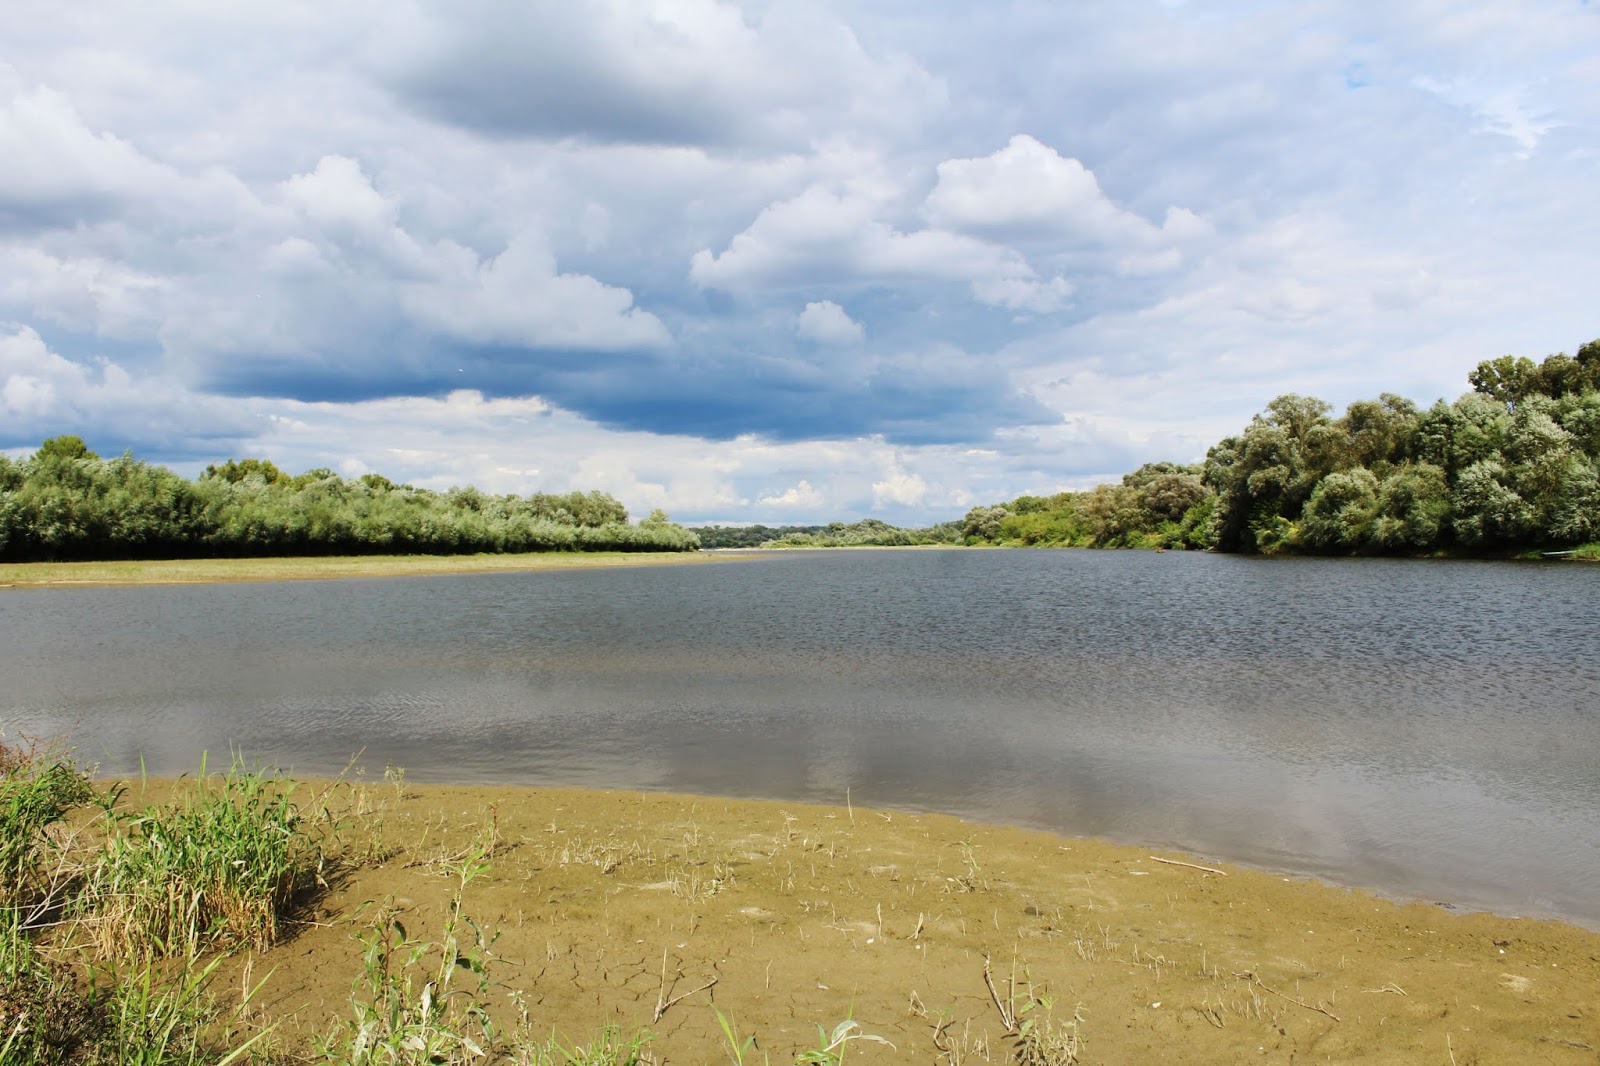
[138, 1016]
[829, 1051]
[737, 1049]
[1038, 1039]
[160, 1018]
[408, 1008]
[396, 776]
[610, 1048]
[1041, 1040]
[57, 1011]
[421, 1001]
[830, 1046]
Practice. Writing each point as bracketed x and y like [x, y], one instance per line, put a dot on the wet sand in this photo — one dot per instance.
[653, 911]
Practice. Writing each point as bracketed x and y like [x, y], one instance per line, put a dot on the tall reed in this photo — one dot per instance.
[219, 867]
[39, 786]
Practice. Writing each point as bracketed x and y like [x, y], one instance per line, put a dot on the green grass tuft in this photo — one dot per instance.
[220, 868]
[39, 787]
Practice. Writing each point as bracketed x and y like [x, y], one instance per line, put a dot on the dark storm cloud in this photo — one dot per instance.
[531, 82]
[693, 73]
[943, 398]
[901, 410]
[31, 219]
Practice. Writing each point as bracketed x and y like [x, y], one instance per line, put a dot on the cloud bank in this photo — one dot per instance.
[778, 262]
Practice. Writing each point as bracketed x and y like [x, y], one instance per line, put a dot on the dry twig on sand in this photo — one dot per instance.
[1191, 865]
[1249, 975]
[663, 1003]
[1006, 1015]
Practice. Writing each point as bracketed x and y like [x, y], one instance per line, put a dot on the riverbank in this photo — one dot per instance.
[322, 568]
[316, 568]
[654, 912]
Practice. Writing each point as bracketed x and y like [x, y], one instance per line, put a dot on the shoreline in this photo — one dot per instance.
[1440, 899]
[216, 571]
[316, 568]
[788, 916]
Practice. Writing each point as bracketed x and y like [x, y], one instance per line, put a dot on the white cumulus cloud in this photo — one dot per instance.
[520, 297]
[826, 322]
[1029, 191]
[800, 494]
[826, 237]
[54, 160]
[898, 486]
[43, 394]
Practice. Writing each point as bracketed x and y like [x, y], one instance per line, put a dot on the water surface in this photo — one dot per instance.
[1426, 728]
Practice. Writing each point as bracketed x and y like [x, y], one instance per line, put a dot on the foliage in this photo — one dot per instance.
[869, 532]
[1514, 463]
[1413, 508]
[148, 1018]
[747, 536]
[221, 866]
[65, 1002]
[138, 1016]
[54, 1009]
[1511, 380]
[983, 523]
[1160, 505]
[64, 502]
[420, 1001]
[408, 1007]
[38, 788]
[1340, 514]
[42, 1016]
[829, 1050]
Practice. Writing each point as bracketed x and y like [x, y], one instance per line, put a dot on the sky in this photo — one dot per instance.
[780, 262]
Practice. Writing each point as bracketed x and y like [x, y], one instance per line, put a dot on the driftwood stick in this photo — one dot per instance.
[1006, 1016]
[664, 1004]
[662, 1008]
[1253, 979]
[1191, 865]
[938, 1035]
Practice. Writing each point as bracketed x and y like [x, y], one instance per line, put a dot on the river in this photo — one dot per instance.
[1425, 728]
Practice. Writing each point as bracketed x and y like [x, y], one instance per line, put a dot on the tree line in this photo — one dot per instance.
[869, 532]
[1515, 463]
[64, 502]
[753, 536]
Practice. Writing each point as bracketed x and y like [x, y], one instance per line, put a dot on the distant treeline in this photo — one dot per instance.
[867, 532]
[64, 502]
[747, 536]
[1513, 464]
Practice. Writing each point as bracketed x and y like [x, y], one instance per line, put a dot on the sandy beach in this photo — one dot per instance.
[656, 912]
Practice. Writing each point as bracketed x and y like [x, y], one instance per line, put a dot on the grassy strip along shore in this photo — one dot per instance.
[314, 568]
[237, 918]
